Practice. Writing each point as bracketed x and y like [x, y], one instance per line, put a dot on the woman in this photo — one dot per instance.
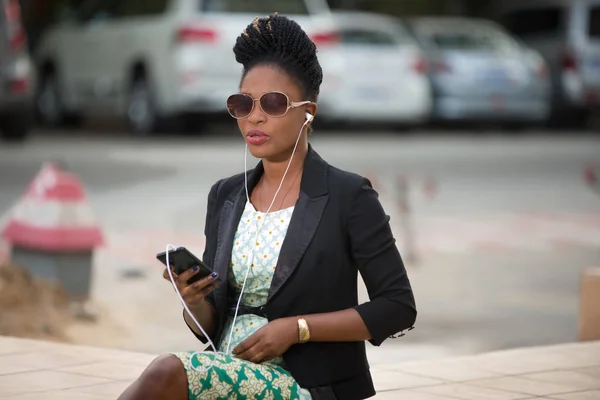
[288, 240]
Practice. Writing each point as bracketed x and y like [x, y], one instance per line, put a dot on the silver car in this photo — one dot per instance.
[479, 72]
[567, 34]
[16, 74]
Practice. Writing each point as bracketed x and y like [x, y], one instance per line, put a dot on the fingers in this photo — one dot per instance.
[194, 297]
[198, 290]
[258, 358]
[254, 354]
[246, 355]
[189, 273]
[200, 285]
[167, 277]
[204, 286]
[195, 292]
[182, 279]
[248, 343]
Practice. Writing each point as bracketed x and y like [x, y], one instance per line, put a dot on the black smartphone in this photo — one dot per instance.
[181, 259]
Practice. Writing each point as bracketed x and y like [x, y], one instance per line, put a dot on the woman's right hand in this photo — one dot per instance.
[193, 294]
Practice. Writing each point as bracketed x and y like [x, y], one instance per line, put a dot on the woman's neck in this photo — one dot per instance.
[274, 170]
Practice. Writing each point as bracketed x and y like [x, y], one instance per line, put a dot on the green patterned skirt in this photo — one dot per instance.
[232, 378]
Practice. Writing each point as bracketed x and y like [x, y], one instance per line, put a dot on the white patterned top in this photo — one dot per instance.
[261, 254]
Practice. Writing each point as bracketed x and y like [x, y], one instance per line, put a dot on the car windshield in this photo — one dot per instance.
[255, 6]
[594, 22]
[462, 41]
[547, 21]
[470, 38]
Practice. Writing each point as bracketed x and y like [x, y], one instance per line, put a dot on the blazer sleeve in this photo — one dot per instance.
[391, 308]
[207, 255]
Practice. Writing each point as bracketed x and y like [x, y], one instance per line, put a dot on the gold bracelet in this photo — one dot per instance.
[303, 331]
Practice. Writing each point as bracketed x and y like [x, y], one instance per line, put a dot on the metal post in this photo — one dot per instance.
[403, 193]
[591, 176]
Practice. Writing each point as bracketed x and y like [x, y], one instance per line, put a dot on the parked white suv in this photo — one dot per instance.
[150, 59]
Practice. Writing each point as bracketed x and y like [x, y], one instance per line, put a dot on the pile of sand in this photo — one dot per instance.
[30, 307]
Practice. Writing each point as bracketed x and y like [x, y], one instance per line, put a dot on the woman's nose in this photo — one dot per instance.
[257, 116]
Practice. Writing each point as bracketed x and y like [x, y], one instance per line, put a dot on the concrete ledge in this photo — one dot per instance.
[32, 369]
[589, 305]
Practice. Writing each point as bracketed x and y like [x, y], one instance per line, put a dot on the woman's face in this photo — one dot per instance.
[273, 138]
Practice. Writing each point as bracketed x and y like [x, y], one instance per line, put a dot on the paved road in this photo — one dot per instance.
[500, 245]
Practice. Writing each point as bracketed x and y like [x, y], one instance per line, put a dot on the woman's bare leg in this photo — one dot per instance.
[165, 378]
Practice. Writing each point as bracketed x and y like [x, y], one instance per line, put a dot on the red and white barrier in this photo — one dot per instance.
[53, 215]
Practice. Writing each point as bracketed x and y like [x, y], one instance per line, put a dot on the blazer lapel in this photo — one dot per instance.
[305, 220]
[303, 225]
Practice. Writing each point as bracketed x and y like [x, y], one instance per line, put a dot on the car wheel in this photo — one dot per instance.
[593, 121]
[141, 112]
[15, 127]
[49, 106]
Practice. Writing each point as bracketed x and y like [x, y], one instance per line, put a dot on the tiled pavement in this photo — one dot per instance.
[49, 371]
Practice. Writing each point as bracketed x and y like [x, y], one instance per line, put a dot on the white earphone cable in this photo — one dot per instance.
[251, 259]
[169, 248]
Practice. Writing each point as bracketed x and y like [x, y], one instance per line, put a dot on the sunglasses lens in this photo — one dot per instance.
[239, 105]
[274, 104]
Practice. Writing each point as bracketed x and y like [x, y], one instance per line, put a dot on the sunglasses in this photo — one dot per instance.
[274, 104]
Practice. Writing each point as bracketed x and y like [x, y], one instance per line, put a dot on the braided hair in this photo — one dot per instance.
[280, 41]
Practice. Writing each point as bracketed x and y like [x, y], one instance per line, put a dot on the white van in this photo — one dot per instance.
[567, 34]
[150, 59]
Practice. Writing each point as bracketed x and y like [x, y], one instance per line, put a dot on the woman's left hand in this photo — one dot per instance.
[269, 342]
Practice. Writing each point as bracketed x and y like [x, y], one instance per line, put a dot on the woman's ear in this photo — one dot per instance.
[312, 109]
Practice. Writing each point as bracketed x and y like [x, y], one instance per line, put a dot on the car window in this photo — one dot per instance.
[62, 11]
[470, 38]
[594, 22]
[367, 37]
[538, 21]
[135, 8]
[460, 41]
[98, 11]
[255, 6]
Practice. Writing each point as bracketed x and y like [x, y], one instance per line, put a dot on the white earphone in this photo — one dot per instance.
[309, 117]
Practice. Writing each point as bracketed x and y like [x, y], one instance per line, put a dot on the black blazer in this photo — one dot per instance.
[338, 228]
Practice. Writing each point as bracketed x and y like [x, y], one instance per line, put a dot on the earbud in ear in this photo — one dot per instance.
[309, 117]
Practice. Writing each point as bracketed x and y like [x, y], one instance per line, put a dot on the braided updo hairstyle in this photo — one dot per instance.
[281, 42]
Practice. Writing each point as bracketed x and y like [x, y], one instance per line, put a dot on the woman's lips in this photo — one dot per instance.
[256, 137]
